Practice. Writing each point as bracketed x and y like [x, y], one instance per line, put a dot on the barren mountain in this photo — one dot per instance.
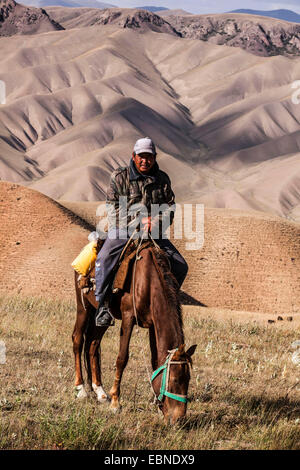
[286, 15]
[225, 125]
[176, 12]
[140, 20]
[18, 19]
[154, 9]
[39, 239]
[249, 261]
[259, 35]
[68, 3]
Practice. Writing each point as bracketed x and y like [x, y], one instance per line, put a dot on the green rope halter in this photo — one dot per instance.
[165, 368]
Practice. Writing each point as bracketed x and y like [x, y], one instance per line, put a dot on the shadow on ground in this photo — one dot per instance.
[187, 299]
[245, 411]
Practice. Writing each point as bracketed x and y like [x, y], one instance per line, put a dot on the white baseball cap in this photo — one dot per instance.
[144, 145]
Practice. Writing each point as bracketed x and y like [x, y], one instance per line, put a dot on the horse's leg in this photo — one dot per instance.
[125, 335]
[153, 347]
[87, 345]
[95, 362]
[78, 339]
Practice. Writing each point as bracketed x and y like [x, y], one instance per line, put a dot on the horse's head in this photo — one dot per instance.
[175, 377]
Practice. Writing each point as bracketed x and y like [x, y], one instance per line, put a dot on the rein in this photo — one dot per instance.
[165, 368]
[137, 257]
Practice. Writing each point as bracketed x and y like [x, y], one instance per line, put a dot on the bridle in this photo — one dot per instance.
[165, 368]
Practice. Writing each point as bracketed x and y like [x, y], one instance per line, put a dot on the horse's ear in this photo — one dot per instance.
[179, 353]
[191, 350]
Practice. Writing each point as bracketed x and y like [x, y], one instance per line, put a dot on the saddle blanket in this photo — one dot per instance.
[121, 270]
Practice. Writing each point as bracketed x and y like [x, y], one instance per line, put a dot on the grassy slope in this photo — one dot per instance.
[244, 388]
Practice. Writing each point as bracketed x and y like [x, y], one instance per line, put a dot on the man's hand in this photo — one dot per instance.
[149, 223]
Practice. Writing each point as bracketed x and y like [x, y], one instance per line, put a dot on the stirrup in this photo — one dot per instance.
[104, 311]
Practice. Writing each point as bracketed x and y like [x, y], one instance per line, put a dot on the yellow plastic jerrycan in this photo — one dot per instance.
[86, 258]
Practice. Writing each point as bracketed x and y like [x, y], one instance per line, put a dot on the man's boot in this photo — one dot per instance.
[104, 316]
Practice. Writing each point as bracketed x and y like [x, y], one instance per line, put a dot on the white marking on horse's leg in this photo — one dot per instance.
[80, 392]
[101, 395]
[115, 410]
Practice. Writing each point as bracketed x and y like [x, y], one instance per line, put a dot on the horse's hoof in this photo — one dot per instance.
[100, 393]
[80, 392]
[115, 409]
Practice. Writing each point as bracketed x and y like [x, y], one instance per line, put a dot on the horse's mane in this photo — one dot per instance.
[168, 280]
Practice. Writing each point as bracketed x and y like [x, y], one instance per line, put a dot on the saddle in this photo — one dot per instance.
[120, 271]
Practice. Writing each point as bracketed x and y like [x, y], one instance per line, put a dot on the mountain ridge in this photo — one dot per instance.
[153, 9]
[16, 18]
[140, 20]
[67, 3]
[261, 36]
[223, 119]
[281, 14]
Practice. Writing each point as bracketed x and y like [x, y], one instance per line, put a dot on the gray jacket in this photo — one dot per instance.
[141, 191]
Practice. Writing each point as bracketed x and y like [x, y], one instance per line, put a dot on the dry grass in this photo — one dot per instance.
[244, 389]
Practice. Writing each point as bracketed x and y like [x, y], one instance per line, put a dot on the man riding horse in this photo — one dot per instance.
[146, 187]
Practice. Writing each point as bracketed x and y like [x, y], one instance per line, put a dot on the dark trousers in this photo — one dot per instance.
[111, 250]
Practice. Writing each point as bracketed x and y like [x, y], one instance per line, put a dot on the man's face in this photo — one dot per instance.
[144, 162]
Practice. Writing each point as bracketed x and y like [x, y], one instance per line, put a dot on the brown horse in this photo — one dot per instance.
[156, 306]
